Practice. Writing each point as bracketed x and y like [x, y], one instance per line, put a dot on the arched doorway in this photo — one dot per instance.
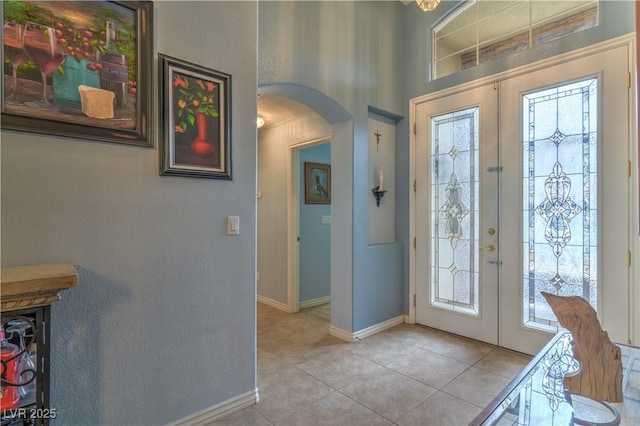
[339, 128]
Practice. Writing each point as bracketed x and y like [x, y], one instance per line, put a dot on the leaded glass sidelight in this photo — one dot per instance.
[560, 197]
[454, 211]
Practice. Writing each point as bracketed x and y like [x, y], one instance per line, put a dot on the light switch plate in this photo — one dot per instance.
[233, 225]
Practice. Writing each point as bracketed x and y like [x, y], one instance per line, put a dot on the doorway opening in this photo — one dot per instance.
[307, 121]
[311, 226]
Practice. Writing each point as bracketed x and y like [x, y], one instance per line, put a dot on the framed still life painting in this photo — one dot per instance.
[317, 183]
[79, 69]
[196, 116]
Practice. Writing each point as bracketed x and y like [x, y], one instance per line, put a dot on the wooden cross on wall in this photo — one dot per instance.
[377, 135]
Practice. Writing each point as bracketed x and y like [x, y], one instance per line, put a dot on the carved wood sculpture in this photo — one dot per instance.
[600, 374]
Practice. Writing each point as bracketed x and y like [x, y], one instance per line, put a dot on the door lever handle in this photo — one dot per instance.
[490, 248]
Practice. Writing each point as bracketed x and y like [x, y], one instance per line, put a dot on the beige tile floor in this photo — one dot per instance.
[407, 375]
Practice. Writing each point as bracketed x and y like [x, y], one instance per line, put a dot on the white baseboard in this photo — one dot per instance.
[220, 410]
[377, 328]
[366, 332]
[407, 320]
[315, 302]
[273, 303]
[347, 336]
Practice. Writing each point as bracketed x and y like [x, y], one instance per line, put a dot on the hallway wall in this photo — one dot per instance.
[273, 155]
[163, 321]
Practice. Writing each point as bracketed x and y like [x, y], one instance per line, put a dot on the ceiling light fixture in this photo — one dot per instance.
[260, 122]
[428, 5]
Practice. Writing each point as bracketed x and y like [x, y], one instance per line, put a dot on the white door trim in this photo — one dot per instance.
[293, 220]
[625, 40]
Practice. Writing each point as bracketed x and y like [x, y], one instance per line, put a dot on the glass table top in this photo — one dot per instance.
[537, 396]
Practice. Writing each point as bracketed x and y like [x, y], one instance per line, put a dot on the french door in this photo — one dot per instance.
[522, 187]
[456, 141]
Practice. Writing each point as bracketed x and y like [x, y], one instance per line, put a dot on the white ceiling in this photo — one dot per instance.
[276, 109]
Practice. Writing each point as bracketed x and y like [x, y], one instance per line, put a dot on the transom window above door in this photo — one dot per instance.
[482, 30]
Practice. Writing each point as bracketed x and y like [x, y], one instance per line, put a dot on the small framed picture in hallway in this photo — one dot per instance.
[317, 183]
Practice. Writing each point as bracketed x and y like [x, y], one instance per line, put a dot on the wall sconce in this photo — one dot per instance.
[378, 191]
[428, 5]
[378, 195]
[260, 122]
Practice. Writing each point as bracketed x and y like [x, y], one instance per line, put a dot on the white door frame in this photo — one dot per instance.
[293, 220]
[626, 40]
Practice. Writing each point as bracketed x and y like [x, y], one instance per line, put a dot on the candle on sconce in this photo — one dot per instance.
[380, 178]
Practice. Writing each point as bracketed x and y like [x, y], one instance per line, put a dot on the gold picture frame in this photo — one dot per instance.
[317, 183]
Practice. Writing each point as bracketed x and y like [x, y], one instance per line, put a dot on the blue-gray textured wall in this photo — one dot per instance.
[162, 324]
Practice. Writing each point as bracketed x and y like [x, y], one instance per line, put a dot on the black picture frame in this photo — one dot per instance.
[106, 92]
[196, 120]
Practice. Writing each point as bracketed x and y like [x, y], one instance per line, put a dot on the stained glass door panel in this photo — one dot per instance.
[454, 211]
[560, 215]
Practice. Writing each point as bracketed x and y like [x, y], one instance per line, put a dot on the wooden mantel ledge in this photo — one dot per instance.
[32, 286]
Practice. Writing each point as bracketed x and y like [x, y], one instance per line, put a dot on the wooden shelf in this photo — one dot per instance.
[32, 286]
